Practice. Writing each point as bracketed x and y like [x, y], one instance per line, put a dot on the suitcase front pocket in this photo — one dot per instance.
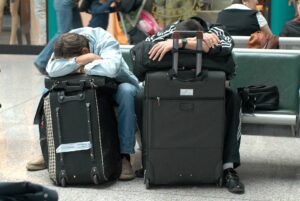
[186, 123]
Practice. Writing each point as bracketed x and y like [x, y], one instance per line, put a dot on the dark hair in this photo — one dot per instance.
[189, 25]
[70, 45]
[237, 1]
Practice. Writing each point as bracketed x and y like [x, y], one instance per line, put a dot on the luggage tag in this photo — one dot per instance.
[71, 147]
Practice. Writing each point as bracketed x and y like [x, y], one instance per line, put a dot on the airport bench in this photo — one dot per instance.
[268, 67]
[271, 67]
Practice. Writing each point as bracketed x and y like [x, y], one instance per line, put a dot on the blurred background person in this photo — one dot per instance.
[242, 19]
[294, 3]
[67, 17]
[292, 28]
[14, 12]
[2, 5]
[18, 24]
[40, 13]
[100, 10]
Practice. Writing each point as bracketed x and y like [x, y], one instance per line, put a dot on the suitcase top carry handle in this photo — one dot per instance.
[184, 34]
[77, 86]
[75, 81]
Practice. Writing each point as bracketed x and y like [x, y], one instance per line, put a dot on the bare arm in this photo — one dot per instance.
[86, 58]
[266, 29]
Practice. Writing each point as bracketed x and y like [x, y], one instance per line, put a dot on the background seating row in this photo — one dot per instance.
[265, 67]
[290, 43]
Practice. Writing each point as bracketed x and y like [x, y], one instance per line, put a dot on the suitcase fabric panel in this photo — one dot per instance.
[160, 85]
[184, 133]
[77, 118]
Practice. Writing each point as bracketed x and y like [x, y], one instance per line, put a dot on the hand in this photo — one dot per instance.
[80, 69]
[210, 40]
[159, 50]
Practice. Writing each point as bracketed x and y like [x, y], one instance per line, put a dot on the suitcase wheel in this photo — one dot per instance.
[147, 182]
[63, 182]
[95, 179]
[220, 182]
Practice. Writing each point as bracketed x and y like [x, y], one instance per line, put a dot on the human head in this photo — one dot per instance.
[189, 25]
[71, 45]
[249, 3]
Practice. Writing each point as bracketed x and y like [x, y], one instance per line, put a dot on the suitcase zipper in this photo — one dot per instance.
[158, 101]
[185, 98]
[90, 131]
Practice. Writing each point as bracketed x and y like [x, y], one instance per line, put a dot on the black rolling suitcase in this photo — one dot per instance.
[184, 122]
[81, 127]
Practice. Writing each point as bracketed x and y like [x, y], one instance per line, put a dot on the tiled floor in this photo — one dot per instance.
[270, 165]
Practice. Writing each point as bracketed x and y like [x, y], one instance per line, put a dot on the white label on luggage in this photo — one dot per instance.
[186, 92]
[70, 147]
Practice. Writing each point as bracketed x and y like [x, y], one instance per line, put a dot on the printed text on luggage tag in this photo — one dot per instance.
[70, 147]
[186, 92]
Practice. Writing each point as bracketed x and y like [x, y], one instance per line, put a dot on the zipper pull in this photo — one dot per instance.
[158, 101]
[93, 85]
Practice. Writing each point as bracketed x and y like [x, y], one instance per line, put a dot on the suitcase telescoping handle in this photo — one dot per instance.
[184, 34]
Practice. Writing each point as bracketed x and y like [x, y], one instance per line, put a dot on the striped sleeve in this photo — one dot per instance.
[226, 42]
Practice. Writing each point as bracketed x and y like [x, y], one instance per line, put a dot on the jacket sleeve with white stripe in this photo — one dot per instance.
[226, 42]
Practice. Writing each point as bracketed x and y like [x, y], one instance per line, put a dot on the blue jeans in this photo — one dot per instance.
[125, 98]
[99, 15]
[99, 20]
[67, 17]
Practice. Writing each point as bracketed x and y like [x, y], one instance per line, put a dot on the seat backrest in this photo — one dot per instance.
[270, 67]
[240, 41]
[125, 49]
[289, 43]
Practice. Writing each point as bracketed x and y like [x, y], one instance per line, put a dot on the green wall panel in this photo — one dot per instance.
[51, 19]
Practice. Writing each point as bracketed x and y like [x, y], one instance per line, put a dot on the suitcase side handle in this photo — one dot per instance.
[184, 34]
[77, 86]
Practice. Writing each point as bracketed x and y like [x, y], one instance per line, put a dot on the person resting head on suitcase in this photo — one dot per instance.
[95, 52]
[216, 42]
[211, 39]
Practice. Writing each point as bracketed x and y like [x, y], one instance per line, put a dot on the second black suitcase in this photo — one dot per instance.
[184, 124]
[82, 138]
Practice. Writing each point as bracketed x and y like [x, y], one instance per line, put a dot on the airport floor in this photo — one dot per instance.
[270, 166]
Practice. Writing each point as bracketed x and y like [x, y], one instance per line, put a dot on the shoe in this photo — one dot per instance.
[40, 69]
[127, 172]
[232, 181]
[139, 173]
[36, 164]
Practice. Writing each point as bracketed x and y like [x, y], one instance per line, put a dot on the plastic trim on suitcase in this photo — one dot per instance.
[100, 137]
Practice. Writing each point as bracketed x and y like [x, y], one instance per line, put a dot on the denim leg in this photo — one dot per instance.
[125, 98]
[76, 22]
[64, 16]
[42, 59]
[99, 20]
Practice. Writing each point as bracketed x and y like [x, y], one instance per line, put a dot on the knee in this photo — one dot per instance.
[126, 93]
[126, 90]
